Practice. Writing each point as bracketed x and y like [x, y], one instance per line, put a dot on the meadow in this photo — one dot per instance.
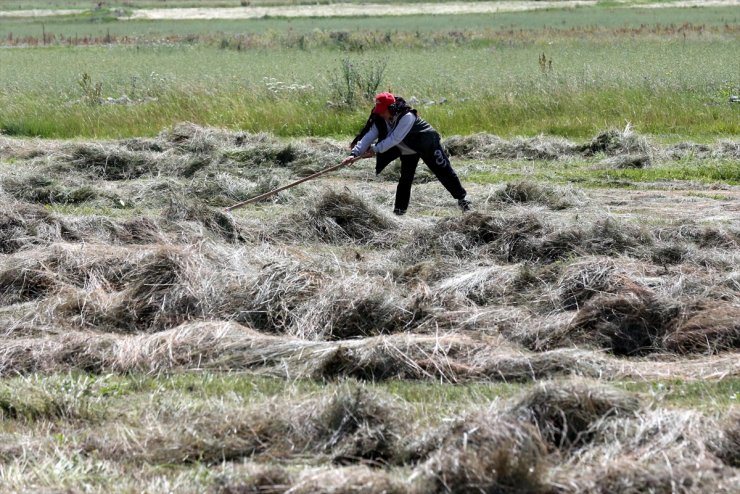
[577, 332]
[666, 74]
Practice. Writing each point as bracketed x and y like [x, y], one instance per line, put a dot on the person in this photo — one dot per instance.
[401, 133]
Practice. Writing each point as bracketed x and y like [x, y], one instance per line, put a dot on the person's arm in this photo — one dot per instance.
[400, 131]
[365, 142]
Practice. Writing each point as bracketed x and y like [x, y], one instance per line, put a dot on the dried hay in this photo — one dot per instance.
[110, 161]
[214, 220]
[348, 480]
[46, 190]
[669, 254]
[515, 366]
[624, 475]
[483, 285]
[631, 322]
[340, 217]
[356, 307]
[191, 138]
[347, 426]
[585, 278]
[508, 238]
[728, 149]
[705, 328]
[25, 279]
[355, 426]
[527, 191]
[485, 453]
[273, 298]
[614, 142]
[627, 161]
[685, 150]
[258, 479]
[565, 412]
[159, 293]
[493, 147]
[25, 225]
[605, 236]
[728, 449]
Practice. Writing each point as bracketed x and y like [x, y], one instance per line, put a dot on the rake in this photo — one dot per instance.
[297, 182]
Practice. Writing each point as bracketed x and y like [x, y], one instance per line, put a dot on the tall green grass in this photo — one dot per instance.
[660, 87]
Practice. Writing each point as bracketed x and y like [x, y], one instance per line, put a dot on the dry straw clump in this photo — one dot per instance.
[485, 453]
[491, 146]
[705, 328]
[356, 307]
[631, 322]
[344, 426]
[338, 218]
[566, 412]
[532, 192]
[111, 162]
[614, 142]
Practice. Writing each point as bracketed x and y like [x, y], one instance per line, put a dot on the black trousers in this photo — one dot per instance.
[436, 160]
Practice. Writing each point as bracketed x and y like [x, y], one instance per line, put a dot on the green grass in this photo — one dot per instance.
[475, 25]
[586, 174]
[63, 396]
[661, 87]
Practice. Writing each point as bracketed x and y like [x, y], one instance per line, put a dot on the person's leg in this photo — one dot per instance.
[439, 163]
[403, 190]
[384, 159]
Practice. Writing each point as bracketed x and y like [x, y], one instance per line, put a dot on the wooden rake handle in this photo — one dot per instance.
[292, 184]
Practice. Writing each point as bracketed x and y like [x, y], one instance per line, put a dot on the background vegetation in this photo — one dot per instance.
[668, 72]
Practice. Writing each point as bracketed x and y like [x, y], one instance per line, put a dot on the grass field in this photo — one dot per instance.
[608, 67]
[577, 332]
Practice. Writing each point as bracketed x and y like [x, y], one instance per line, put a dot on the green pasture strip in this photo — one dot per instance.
[590, 174]
[104, 23]
[659, 87]
[89, 396]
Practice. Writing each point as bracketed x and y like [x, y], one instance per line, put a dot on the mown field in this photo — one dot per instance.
[578, 332]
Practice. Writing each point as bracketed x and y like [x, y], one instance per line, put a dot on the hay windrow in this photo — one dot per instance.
[527, 191]
[631, 322]
[110, 162]
[339, 218]
[486, 453]
[565, 412]
[707, 329]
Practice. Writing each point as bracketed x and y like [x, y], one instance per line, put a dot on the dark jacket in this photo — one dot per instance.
[422, 137]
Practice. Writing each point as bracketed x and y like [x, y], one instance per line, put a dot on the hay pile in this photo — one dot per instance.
[567, 412]
[348, 426]
[705, 328]
[493, 147]
[485, 453]
[613, 142]
[111, 162]
[338, 218]
[527, 191]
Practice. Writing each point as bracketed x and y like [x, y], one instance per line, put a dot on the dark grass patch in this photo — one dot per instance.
[110, 162]
[528, 192]
[630, 322]
[338, 218]
[705, 328]
[565, 412]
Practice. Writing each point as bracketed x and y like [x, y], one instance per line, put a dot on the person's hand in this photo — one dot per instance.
[349, 160]
[368, 154]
